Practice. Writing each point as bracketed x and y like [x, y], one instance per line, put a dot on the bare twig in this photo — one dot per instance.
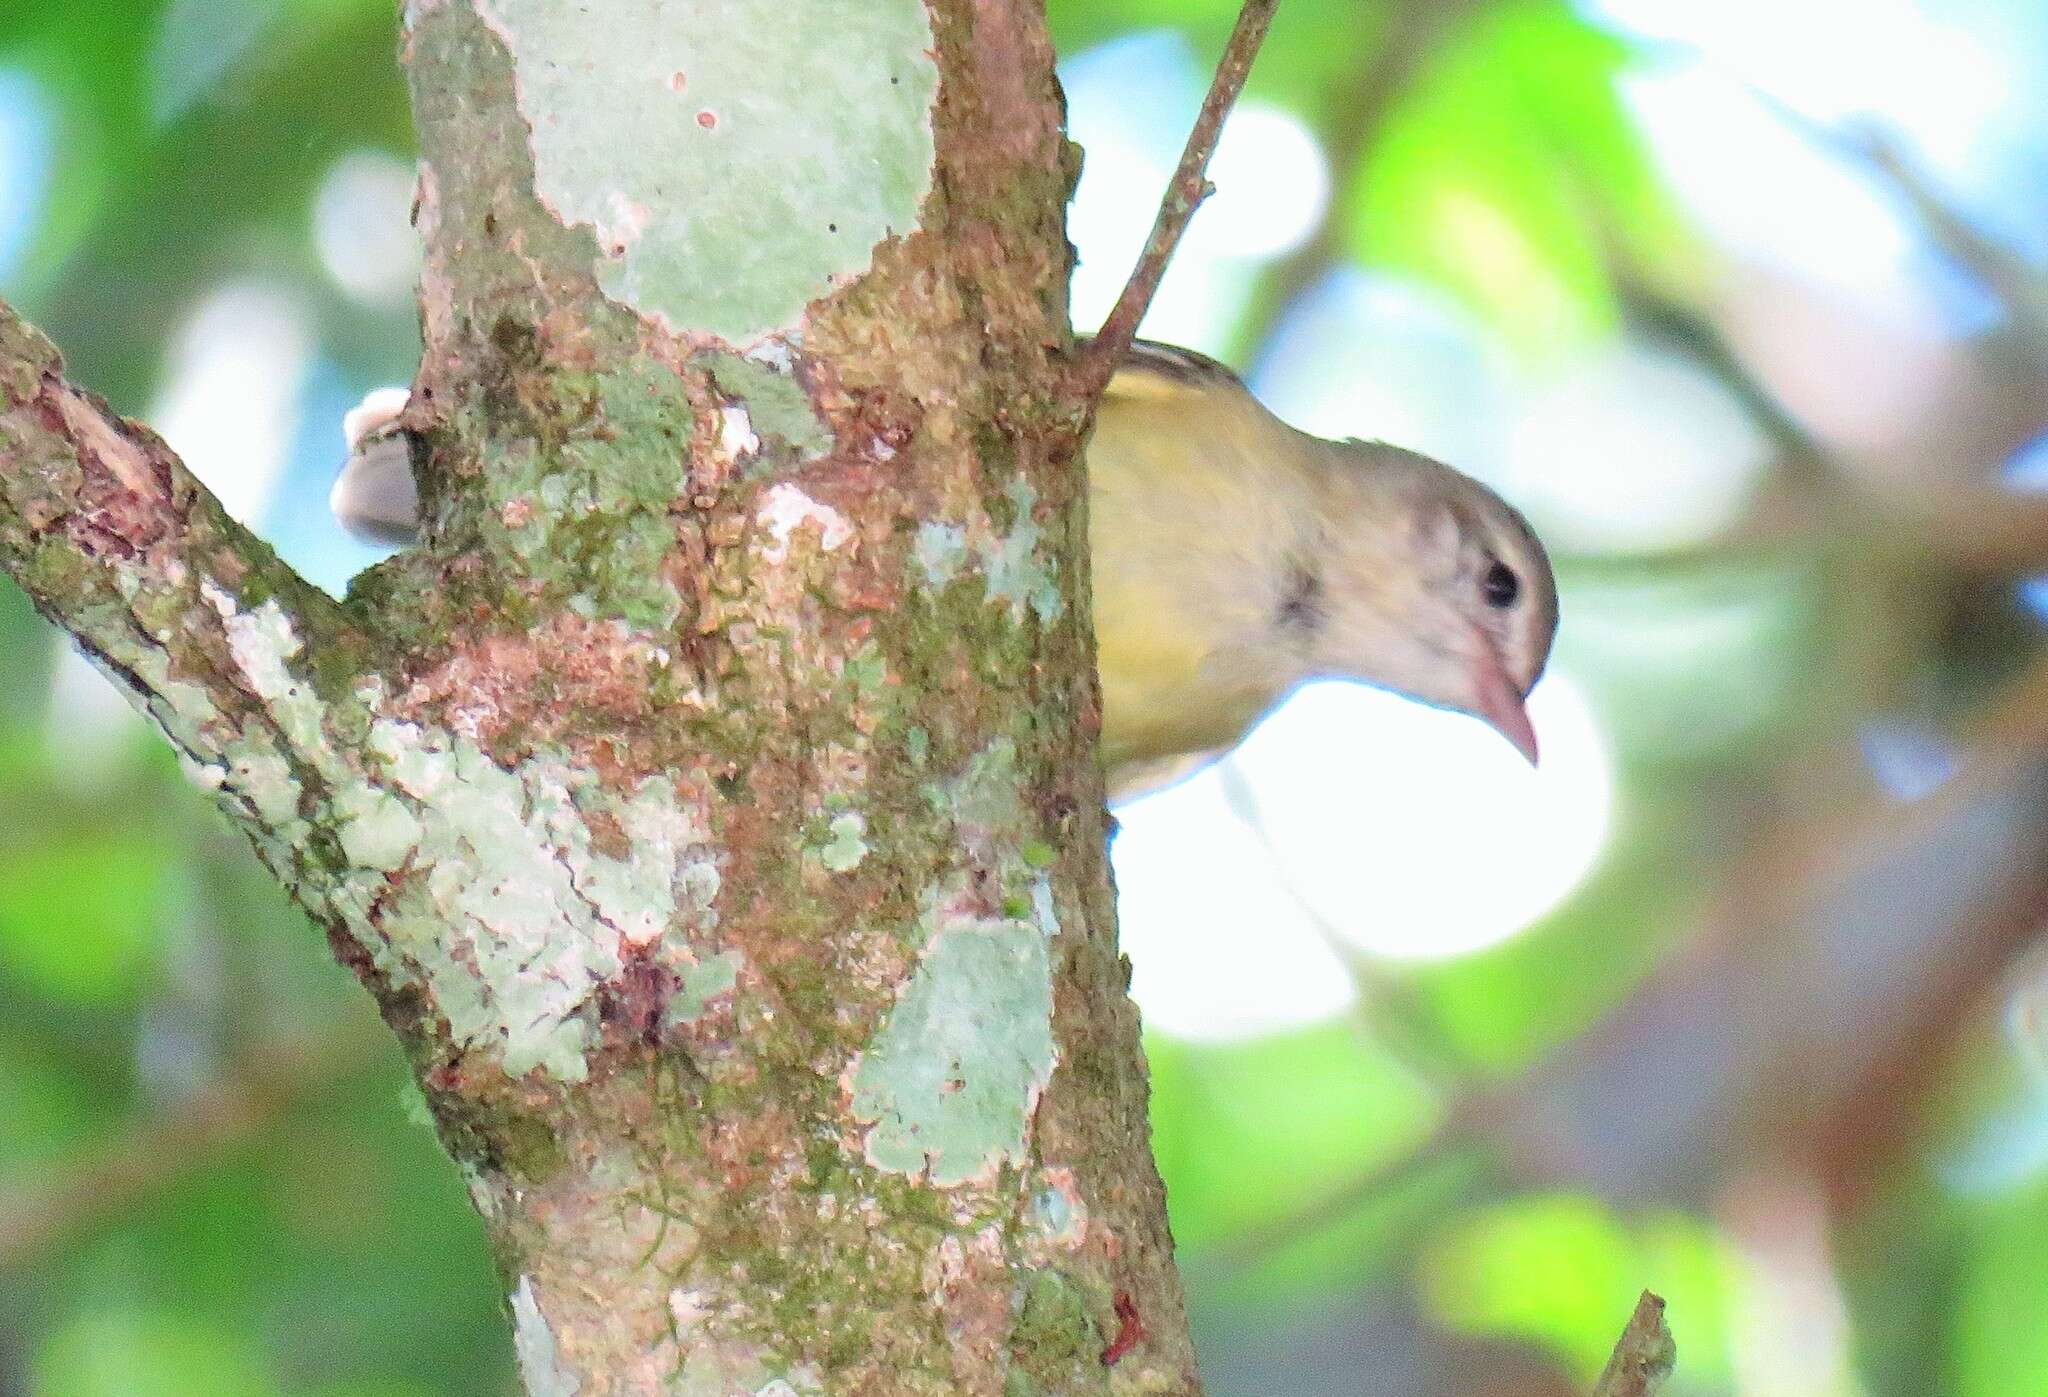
[1189, 187]
[1644, 1356]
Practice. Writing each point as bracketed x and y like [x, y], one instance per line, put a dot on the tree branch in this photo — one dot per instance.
[728, 744]
[1644, 1356]
[121, 546]
[1184, 194]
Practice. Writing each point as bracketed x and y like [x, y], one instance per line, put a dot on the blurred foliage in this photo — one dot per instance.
[191, 143]
[1488, 1157]
[1220, 1115]
[1509, 170]
[1555, 1268]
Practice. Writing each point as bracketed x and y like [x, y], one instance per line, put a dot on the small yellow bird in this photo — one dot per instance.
[1234, 558]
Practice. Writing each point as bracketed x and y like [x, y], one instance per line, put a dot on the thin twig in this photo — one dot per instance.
[1190, 186]
[1644, 1357]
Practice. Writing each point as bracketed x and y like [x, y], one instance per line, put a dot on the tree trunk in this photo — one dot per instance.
[710, 801]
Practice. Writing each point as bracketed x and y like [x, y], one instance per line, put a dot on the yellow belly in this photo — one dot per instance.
[1184, 525]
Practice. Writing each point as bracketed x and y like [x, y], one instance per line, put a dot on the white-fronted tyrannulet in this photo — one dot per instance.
[1233, 558]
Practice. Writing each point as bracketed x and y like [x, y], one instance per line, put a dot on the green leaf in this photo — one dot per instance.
[140, 217]
[49, 1100]
[2000, 1344]
[1079, 24]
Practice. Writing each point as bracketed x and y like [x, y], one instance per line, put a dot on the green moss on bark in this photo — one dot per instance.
[1055, 1346]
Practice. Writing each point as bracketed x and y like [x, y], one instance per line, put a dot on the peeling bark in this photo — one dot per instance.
[710, 801]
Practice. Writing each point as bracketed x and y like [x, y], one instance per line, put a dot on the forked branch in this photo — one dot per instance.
[120, 545]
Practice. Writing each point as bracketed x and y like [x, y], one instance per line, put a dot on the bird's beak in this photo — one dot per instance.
[1502, 705]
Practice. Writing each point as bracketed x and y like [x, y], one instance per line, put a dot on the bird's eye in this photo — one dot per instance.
[1500, 586]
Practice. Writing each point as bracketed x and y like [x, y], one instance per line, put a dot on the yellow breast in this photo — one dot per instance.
[1196, 495]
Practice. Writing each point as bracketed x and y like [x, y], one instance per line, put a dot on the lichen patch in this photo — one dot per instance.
[518, 918]
[263, 644]
[1018, 570]
[540, 1358]
[845, 842]
[802, 134]
[488, 885]
[772, 402]
[785, 509]
[940, 551]
[703, 984]
[949, 1084]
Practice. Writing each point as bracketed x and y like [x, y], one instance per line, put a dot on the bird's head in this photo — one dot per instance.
[1429, 584]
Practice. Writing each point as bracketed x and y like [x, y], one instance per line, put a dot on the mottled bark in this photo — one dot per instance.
[710, 802]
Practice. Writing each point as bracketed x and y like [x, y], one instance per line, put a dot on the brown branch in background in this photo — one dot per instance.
[47, 1205]
[1685, 327]
[1644, 1357]
[1798, 874]
[1997, 268]
[1189, 187]
[1961, 522]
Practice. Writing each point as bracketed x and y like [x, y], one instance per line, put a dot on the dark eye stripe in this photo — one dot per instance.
[1500, 586]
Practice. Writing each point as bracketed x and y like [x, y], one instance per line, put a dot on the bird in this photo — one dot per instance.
[1233, 559]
